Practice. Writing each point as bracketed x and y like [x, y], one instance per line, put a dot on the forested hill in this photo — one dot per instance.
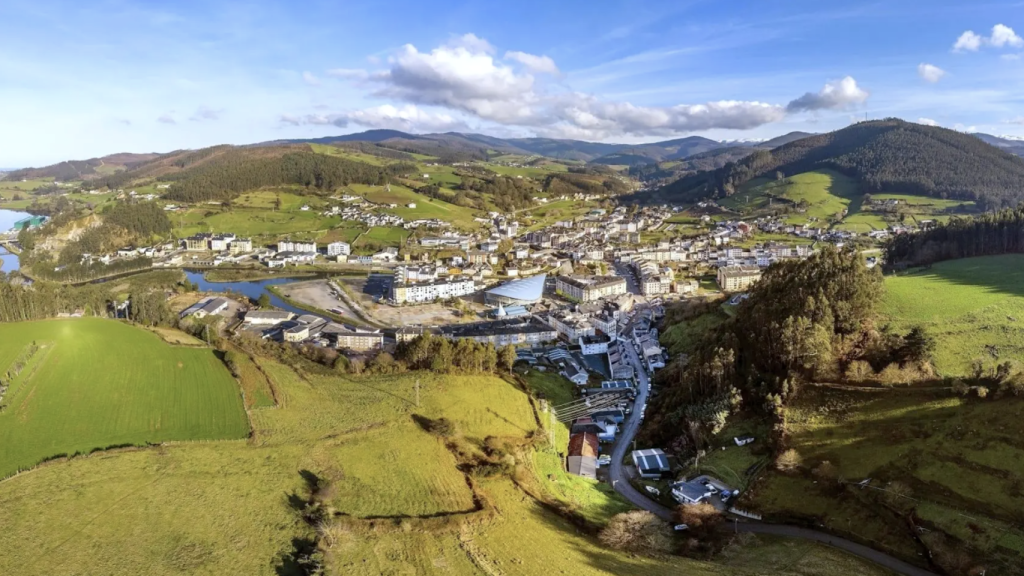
[1000, 232]
[884, 155]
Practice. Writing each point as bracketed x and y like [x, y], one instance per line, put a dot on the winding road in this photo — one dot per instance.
[621, 484]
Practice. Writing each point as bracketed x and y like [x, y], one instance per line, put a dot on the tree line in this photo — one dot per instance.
[20, 302]
[804, 321]
[237, 171]
[508, 194]
[439, 354]
[882, 155]
[591, 183]
[1001, 232]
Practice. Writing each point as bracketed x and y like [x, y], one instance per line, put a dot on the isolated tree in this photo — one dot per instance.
[508, 357]
[264, 300]
[788, 460]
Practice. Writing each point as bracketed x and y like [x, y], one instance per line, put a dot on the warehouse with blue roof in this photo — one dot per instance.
[522, 292]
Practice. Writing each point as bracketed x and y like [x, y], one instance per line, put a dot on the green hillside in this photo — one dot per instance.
[829, 199]
[973, 307]
[398, 502]
[881, 156]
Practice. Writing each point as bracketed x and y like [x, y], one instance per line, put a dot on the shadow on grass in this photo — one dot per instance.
[296, 562]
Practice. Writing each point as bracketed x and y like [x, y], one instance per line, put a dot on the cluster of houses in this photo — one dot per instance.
[370, 213]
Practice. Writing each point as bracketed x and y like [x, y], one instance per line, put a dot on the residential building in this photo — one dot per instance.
[589, 289]
[419, 292]
[240, 245]
[198, 242]
[571, 326]
[593, 344]
[735, 278]
[355, 337]
[339, 249]
[521, 330]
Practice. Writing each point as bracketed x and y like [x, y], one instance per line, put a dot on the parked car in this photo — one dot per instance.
[604, 460]
[680, 527]
[653, 490]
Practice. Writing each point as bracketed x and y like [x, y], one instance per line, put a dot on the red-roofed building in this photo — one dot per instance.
[582, 455]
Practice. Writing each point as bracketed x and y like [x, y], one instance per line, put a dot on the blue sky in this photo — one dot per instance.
[83, 79]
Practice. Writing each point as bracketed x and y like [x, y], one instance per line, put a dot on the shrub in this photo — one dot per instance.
[441, 427]
[858, 371]
[638, 531]
[789, 460]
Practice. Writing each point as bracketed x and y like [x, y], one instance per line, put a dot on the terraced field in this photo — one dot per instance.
[99, 383]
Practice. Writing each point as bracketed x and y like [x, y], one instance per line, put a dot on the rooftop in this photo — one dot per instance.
[527, 289]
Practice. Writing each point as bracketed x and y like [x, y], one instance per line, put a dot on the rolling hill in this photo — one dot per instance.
[882, 156]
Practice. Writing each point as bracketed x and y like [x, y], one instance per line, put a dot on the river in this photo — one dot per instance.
[253, 289]
[9, 262]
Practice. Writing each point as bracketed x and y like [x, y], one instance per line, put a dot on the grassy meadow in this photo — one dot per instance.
[827, 194]
[959, 459]
[403, 506]
[98, 383]
[973, 307]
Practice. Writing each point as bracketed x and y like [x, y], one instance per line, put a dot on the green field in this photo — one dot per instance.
[426, 207]
[959, 458]
[99, 383]
[381, 236]
[255, 223]
[972, 307]
[401, 504]
[820, 197]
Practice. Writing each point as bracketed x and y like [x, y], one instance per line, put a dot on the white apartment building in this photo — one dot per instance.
[338, 249]
[416, 293]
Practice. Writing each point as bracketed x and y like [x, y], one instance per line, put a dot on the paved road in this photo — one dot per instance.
[629, 430]
[622, 486]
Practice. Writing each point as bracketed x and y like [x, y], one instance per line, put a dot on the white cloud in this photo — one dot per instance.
[967, 42]
[587, 117]
[473, 43]
[927, 122]
[963, 128]
[463, 77]
[409, 118]
[166, 119]
[348, 73]
[1017, 120]
[204, 113]
[930, 73]
[538, 64]
[1005, 36]
[310, 78]
[834, 96]
[1002, 36]
[1010, 57]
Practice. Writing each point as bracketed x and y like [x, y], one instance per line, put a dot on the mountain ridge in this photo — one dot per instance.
[889, 155]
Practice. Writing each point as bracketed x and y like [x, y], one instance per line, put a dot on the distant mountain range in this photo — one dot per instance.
[559, 149]
[666, 160]
[884, 155]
